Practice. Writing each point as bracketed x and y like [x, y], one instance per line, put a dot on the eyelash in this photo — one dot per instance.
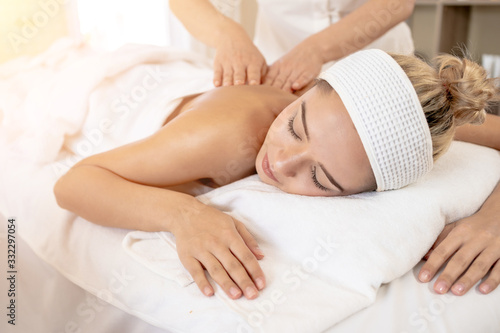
[313, 170]
[290, 128]
[316, 182]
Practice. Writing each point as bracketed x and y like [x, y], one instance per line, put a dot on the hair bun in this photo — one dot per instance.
[466, 87]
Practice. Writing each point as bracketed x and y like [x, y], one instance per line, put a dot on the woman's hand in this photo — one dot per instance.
[297, 68]
[212, 240]
[472, 246]
[237, 61]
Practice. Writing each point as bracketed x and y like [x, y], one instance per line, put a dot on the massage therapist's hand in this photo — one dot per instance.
[297, 68]
[237, 61]
[473, 246]
[214, 241]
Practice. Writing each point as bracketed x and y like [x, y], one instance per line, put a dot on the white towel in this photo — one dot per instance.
[325, 258]
[48, 99]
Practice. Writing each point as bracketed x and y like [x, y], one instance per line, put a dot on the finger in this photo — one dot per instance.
[249, 240]
[271, 75]
[217, 75]
[227, 77]
[239, 275]
[194, 268]
[301, 82]
[239, 77]
[252, 268]
[287, 86]
[278, 82]
[437, 258]
[444, 233]
[254, 74]
[479, 268]
[220, 275]
[457, 265]
[493, 280]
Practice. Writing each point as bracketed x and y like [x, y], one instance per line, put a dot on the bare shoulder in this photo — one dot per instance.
[216, 136]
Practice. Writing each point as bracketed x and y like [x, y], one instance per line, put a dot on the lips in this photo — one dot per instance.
[267, 168]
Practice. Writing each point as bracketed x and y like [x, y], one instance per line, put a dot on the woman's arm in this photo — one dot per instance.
[122, 188]
[237, 60]
[353, 32]
[205, 237]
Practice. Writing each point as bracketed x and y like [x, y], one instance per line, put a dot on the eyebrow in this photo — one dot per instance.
[327, 174]
[303, 106]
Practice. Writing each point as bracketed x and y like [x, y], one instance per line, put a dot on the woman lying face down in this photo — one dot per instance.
[374, 122]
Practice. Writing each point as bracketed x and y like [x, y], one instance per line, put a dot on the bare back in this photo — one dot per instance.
[212, 137]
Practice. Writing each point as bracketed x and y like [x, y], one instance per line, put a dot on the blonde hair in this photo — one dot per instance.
[452, 91]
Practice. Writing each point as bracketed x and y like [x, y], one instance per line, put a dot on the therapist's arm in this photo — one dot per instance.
[237, 60]
[472, 244]
[486, 134]
[353, 32]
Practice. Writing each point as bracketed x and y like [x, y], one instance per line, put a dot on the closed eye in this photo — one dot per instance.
[291, 130]
[316, 182]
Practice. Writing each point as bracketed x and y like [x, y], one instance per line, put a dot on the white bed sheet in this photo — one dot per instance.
[50, 303]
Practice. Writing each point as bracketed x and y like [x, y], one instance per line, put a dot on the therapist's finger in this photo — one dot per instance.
[302, 81]
[479, 268]
[239, 77]
[217, 75]
[271, 74]
[254, 72]
[227, 76]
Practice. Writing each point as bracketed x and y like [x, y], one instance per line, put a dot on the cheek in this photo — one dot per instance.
[302, 185]
[277, 130]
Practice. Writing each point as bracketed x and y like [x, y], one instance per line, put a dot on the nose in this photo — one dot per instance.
[290, 160]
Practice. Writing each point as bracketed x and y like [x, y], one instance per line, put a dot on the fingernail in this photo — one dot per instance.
[216, 83]
[235, 292]
[260, 283]
[485, 288]
[258, 251]
[250, 292]
[207, 291]
[458, 288]
[424, 276]
[253, 82]
[238, 82]
[441, 287]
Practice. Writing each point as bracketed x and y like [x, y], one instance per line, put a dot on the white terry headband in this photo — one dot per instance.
[387, 114]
